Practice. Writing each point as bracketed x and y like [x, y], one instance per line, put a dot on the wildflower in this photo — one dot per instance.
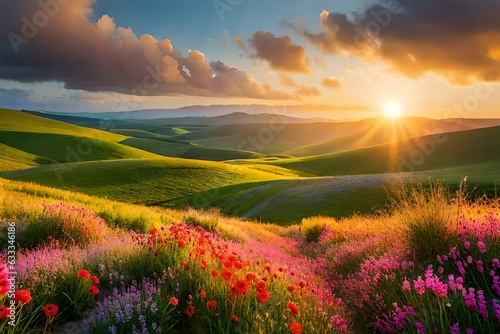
[83, 274]
[22, 296]
[420, 328]
[203, 294]
[94, 279]
[479, 266]
[211, 305]
[251, 277]
[214, 273]
[294, 309]
[50, 310]
[262, 296]
[406, 285]
[290, 288]
[339, 322]
[227, 275]
[467, 245]
[203, 264]
[181, 244]
[419, 285]
[241, 286]
[4, 282]
[455, 329]
[410, 311]
[295, 328]
[153, 231]
[469, 331]
[190, 310]
[234, 318]
[4, 312]
[174, 301]
[260, 286]
[93, 290]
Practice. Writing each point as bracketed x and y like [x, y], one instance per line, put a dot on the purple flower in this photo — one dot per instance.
[455, 329]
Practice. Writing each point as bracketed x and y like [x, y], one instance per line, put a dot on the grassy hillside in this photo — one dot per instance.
[379, 132]
[12, 120]
[464, 148]
[28, 140]
[188, 150]
[146, 181]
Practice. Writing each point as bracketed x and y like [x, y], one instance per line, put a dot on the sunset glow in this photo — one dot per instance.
[393, 110]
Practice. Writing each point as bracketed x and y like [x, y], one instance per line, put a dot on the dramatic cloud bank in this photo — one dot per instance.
[55, 40]
[458, 39]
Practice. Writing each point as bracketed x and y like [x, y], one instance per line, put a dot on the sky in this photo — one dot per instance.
[435, 58]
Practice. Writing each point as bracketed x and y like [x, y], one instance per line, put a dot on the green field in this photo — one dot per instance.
[188, 150]
[146, 181]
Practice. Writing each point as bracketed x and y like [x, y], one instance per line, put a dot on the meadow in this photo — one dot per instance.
[429, 264]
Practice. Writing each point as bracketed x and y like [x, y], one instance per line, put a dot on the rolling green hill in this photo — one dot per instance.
[146, 181]
[464, 148]
[379, 132]
[28, 140]
[18, 121]
[188, 150]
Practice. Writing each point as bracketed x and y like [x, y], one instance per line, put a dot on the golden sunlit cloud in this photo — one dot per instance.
[393, 110]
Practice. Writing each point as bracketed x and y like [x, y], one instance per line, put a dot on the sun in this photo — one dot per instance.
[393, 110]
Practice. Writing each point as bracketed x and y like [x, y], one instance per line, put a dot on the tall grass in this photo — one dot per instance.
[425, 215]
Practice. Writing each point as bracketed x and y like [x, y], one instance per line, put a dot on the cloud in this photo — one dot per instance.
[287, 81]
[280, 52]
[458, 39]
[331, 83]
[59, 42]
[306, 90]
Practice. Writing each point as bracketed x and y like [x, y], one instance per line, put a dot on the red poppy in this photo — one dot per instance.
[211, 305]
[174, 301]
[203, 294]
[241, 286]
[93, 290]
[234, 318]
[227, 275]
[203, 264]
[50, 310]
[238, 265]
[4, 312]
[260, 286]
[291, 288]
[153, 231]
[294, 309]
[181, 244]
[251, 277]
[83, 274]
[190, 310]
[262, 296]
[295, 328]
[94, 279]
[22, 296]
[155, 254]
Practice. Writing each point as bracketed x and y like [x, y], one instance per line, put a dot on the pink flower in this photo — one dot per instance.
[419, 285]
[406, 285]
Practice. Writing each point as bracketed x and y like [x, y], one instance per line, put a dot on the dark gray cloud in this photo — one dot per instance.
[55, 40]
[458, 39]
